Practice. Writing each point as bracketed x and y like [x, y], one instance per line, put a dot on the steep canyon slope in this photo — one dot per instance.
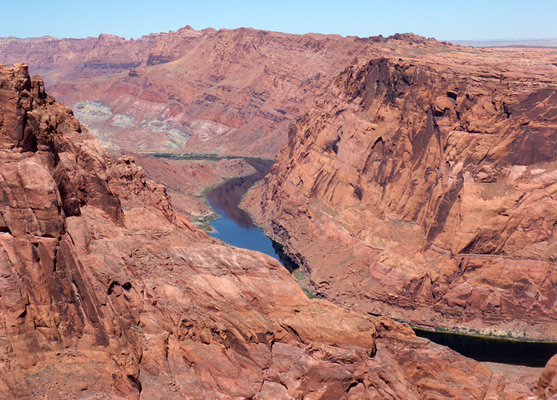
[223, 92]
[107, 292]
[424, 187]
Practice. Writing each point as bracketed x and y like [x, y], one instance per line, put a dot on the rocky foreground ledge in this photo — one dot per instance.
[106, 292]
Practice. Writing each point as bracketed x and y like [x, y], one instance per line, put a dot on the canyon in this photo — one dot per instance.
[415, 181]
[219, 92]
[107, 292]
[430, 182]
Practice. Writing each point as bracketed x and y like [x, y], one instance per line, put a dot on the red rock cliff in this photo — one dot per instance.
[226, 92]
[424, 188]
[106, 292]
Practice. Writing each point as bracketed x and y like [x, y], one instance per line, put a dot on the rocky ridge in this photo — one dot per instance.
[218, 92]
[423, 188]
[107, 292]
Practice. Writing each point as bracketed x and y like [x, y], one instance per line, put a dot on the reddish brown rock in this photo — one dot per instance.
[106, 292]
[224, 92]
[423, 187]
[547, 385]
[188, 180]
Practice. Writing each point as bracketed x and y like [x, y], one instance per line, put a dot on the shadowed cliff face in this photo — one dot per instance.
[426, 191]
[106, 292]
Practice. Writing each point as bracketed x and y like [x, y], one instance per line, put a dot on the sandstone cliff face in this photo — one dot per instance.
[55, 321]
[224, 92]
[106, 292]
[424, 189]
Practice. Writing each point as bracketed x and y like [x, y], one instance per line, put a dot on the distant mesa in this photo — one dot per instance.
[508, 43]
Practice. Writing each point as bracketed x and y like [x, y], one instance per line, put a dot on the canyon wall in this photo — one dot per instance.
[423, 187]
[217, 92]
[107, 292]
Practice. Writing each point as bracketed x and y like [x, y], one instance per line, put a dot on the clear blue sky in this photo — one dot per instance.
[447, 19]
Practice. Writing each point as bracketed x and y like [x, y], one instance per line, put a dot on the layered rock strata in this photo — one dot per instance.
[107, 292]
[219, 92]
[424, 189]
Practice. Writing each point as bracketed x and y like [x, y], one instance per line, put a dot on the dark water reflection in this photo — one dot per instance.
[227, 197]
[494, 350]
[234, 225]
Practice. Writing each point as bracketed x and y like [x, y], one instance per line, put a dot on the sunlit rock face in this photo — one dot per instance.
[423, 187]
[223, 92]
[106, 292]
[547, 385]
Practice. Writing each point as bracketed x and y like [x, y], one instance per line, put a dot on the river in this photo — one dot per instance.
[236, 228]
[530, 354]
[235, 225]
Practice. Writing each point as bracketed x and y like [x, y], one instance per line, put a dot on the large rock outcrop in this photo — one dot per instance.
[106, 292]
[423, 187]
[547, 385]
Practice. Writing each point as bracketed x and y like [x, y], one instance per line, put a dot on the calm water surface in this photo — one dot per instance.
[234, 225]
[236, 228]
[530, 354]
